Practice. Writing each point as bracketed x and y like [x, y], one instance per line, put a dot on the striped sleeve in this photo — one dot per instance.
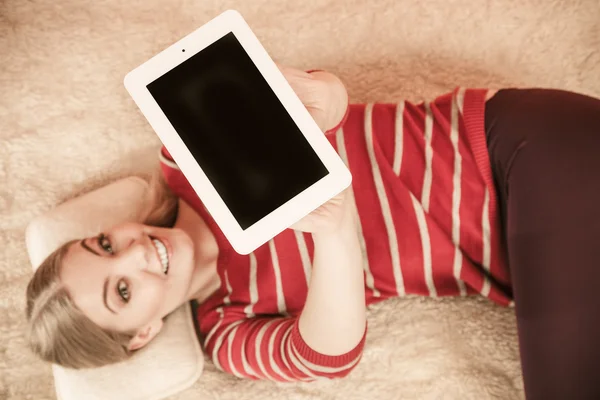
[273, 349]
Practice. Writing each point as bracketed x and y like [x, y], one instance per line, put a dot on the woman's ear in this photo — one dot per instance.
[145, 335]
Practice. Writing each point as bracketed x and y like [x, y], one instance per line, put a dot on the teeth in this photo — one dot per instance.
[162, 252]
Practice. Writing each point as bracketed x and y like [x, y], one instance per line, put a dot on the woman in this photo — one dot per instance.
[475, 192]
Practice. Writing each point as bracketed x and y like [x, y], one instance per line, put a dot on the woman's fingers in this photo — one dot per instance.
[322, 93]
[332, 103]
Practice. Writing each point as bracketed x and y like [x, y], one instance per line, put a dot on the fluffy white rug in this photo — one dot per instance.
[67, 126]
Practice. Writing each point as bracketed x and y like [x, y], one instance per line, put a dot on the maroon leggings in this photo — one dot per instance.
[545, 153]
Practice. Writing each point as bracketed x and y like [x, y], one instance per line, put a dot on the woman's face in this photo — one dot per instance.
[130, 276]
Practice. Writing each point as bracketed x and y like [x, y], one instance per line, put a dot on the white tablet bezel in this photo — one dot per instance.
[243, 241]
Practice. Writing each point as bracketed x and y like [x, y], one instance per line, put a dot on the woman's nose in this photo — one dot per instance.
[136, 257]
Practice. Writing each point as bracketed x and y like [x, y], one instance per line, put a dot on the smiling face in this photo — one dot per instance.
[130, 277]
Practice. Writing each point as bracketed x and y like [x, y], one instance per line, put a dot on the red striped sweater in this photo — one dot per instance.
[428, 225]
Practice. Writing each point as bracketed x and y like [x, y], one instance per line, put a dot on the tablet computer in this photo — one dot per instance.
[238, 132]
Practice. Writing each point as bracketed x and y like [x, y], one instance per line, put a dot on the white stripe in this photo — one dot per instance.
[247, 368]
[166, 161]
[281, 308]
[426, 245]
[215, 328]
[304, 256]
[426, 194]
[457, 268]
[220, 311]
[384, 203]
[487, 286]
[399, 138]
[230, 338]
[285, 354]
[297, 362]
[271, 349]
[324, 369]
[249, 309]
[369, 279]
[461, 104]
[456, 193]
[227, 299]
[219, 343]
[257, 348]
[487, 248]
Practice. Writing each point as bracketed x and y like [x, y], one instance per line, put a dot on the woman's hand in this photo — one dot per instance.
[322, 93]
[326, 99]
[330, 218]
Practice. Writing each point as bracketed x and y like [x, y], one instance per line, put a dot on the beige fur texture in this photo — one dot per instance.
[67, 125]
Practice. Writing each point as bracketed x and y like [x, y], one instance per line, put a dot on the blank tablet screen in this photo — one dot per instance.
[237, 130]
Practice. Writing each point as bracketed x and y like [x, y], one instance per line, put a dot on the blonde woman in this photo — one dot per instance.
[475, 192]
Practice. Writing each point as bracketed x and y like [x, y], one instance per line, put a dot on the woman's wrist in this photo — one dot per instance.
[345, 229]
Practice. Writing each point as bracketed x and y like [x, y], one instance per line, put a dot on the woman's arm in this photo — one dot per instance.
[333, 320]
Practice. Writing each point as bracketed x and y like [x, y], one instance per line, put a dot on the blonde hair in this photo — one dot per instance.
[57, 331]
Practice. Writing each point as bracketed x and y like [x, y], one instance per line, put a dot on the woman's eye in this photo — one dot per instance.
[104, 243]
[123, 290]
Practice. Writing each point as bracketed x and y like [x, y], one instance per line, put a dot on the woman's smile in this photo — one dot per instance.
[162, 252]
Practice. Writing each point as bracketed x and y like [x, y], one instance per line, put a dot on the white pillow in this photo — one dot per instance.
[173, 361]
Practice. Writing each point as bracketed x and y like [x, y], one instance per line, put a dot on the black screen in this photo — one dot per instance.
[237, 130]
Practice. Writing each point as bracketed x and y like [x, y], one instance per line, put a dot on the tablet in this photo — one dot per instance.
[238, 132]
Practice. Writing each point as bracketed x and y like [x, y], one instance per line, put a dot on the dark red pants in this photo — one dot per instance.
[545, 154]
